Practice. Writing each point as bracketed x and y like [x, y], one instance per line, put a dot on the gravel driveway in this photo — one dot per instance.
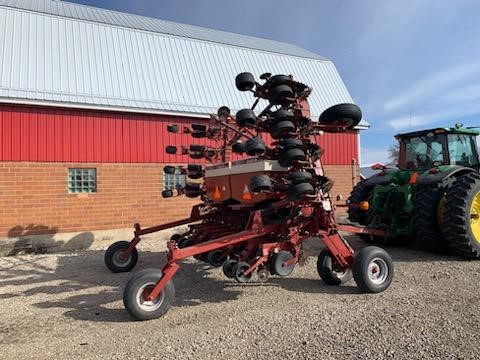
[68, 306]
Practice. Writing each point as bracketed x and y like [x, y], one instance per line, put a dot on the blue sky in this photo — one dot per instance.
[409, 64]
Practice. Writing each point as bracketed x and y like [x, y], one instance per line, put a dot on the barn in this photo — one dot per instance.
[85, 97]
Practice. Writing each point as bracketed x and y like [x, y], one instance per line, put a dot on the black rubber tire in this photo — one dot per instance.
[195, 171]
[326, 271]
[255, 146]
[282, 129]
[245, 81]
[197, 148]
[360, 192]
[261, 183]
[346, 115]
[457, 216]
[227, 268]
[216, 258]
[167, 194]
[299, 191]
[176, 237]
[238, 147]
[192, 186]
[362, 271]
[276, 263]
[172, 128]
[278, 80]
[172, 150]
[283, 115]
[298, 177]
[116, 264]
[184, 242]
[280, 94]
[132, 295]
[194, 175]
[199, 127]
[288, 157]
[290, 143]
[238, 270]
[223, 110]
[193, 190]
[198, 134]
[429, 235]
[169, 169]
[246, 117]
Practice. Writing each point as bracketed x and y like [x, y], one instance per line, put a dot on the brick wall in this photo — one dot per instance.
[35, 200]
[342, 176]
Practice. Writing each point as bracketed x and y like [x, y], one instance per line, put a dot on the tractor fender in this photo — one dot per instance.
[381, 178]
[443, 177]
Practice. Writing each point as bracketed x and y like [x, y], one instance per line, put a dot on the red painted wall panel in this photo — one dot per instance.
[69, 135]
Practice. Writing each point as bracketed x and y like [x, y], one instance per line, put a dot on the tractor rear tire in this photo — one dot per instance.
[326, 271]
[429, 235]
[461, 216]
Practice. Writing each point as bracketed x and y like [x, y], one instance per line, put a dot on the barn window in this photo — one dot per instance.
[82, 180]
[172, 181]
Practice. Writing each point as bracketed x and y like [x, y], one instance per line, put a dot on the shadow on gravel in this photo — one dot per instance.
[81, 284]
[100, 289]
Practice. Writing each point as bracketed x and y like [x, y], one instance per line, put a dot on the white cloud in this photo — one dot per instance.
[433, 85]
[448, 115]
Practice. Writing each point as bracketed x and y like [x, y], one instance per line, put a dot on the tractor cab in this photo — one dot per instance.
[422, 150]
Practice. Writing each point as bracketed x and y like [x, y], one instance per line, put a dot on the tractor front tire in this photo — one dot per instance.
[462, 216]
[361, 192]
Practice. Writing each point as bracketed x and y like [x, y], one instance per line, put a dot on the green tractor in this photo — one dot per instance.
[432, 198]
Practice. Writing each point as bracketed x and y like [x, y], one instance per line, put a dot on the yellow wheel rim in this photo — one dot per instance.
[475, 217]
[441, 206]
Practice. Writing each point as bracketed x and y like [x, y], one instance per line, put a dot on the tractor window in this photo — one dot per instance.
[423, 151]
[462, 150]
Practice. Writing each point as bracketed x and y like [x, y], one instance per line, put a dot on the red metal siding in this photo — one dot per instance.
[68, 135]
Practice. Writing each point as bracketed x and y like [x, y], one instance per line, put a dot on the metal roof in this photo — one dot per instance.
[65, 53]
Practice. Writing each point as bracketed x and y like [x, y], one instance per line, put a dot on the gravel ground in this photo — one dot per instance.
[68, 306]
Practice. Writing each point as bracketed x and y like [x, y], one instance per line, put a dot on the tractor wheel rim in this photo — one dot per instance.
[377, 271]
[119, 259]
[475, 217]
[440, 209]
[142, 294]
